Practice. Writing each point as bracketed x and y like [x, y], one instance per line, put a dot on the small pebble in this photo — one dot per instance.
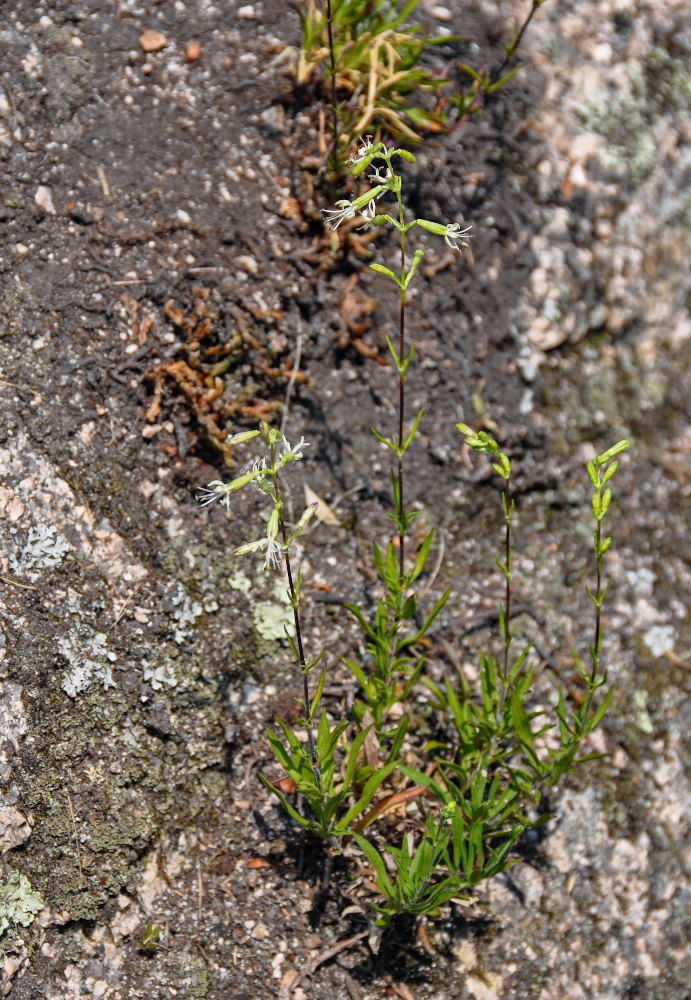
[44, 200]
[152, 41]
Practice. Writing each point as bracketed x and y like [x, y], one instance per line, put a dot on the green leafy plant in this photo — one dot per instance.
[373, 59]
[478, 784]
[149, 941]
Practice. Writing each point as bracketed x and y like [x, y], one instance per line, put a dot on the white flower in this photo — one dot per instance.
[362, 151]
[368, 214]
[274, 551]
[336, 215]
[292, 453]
[217, 490]
[212, 493]
[454, 233]
[378, 178]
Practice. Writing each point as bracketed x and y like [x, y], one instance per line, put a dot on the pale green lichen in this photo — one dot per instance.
[272, 617]
[240, 581]
[658, 87]
[19, 904]
[643, 720]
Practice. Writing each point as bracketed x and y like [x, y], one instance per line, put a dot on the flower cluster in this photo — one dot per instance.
[265, 477]
[385, 179]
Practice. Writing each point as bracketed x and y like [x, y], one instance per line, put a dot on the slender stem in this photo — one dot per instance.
[598, 617]
[496, 73]
[507, 563]
[332, 66]
[298, 631]
[301, 656]
[597, 642]
[401, 400]
[511, 49]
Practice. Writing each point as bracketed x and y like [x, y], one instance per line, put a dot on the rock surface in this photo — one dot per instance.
[140, 662]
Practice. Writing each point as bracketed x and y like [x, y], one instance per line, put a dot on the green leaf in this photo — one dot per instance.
[601, 711]
[279, 751]
[368, 791]
[492, 87]
[419, 254]
[408, 609]
[377, 862]
[518, 664]
[380, 269]
[397, 740]
[428, 622]
[389, 442]
[353, 756]
[421, 558]
[323, 737]
[357, 671]
[616, 449]
[331, 742]
[470, 72]
[362, 621]
[317, 694]
[420, 778]
[302, 820]
[413, 431]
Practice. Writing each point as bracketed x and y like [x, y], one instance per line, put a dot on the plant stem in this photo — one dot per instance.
[401, 410]
[597, 642]
[595, 648]
[507, 563]
[598, 620]
[301, 657]
[401, 400]
[511, 49]
[302, 662]
[332, 66]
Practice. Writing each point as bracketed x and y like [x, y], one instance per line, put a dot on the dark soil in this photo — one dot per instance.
[182, 276]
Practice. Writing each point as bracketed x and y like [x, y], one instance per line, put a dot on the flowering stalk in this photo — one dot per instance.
[269, 439]
[385, 179]
[276, 543]
[483, 443]
[599, 473]
[393, 663]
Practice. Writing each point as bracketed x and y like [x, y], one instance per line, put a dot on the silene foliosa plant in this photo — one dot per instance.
[477, 785]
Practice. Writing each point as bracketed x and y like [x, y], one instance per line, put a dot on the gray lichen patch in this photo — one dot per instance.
[43, 520]
[43, 548]
[89, 659]
[13, 722]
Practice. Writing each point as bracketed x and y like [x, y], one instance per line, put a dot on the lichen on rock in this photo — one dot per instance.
[19, 904]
